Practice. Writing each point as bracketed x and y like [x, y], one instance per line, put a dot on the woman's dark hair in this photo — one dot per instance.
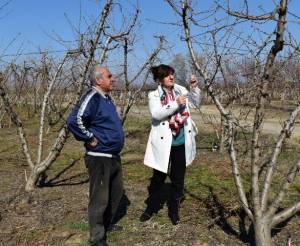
[161, 71]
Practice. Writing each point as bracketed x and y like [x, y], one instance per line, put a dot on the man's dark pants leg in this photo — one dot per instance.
[106, 190]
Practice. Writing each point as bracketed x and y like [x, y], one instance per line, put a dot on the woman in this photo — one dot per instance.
[171, 145]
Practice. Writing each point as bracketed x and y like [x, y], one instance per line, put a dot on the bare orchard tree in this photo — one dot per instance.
[260, 205]
[92, 50]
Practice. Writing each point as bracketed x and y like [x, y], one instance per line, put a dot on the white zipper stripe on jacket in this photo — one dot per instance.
[80, 114]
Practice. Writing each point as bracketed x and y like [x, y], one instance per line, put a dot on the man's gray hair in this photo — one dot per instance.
[94, 73]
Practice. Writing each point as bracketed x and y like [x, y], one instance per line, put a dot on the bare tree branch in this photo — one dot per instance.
[275, 204]
[15, 119]
[285, 132]
[285, 214]
[260, 108]
[44, 105]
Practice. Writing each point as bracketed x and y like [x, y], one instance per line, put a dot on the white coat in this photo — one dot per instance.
[160, 138]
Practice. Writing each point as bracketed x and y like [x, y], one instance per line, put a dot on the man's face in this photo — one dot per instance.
[105, 82]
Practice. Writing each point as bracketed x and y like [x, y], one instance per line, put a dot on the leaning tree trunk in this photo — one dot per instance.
[38, 169]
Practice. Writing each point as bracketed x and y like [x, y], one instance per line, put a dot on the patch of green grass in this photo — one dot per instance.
[289, 154]
[136, 172]
[206, 139]
[137, 123]
[243, 135]
[78, 225]
[201, 183]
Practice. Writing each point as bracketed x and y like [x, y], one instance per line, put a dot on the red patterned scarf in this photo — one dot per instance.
[177, 120]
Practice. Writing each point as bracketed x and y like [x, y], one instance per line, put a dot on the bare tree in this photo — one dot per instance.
[259, 205]
[97, 45]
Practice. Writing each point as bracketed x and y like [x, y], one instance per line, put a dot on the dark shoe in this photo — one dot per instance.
[174, 218]
[114, 228]
[174, 211]
[145, 216]
[100, 243]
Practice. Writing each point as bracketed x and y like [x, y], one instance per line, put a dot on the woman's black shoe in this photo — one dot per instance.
[174, 218]
[145, 216]
[174, 211]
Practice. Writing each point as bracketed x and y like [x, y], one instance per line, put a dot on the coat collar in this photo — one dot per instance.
[176, 88]
[101, 92]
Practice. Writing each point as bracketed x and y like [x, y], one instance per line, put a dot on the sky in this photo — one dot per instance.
[29, 25]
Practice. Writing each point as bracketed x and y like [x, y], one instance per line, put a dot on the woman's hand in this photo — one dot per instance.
[181, 100]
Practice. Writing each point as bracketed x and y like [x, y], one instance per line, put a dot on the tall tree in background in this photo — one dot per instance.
[262, 202]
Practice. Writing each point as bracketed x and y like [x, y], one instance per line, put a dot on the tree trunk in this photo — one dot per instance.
[32, 180]
[262, 232]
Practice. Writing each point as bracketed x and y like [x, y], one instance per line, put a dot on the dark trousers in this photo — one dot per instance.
[176, 172]
[106, 190]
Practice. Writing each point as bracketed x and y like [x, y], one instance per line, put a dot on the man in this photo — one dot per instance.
[195, 92]
[96, 122]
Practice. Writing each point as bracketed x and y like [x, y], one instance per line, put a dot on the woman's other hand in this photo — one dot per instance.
[181, 100]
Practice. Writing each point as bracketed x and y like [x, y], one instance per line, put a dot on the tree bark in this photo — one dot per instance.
[262, 231]
[32, 180]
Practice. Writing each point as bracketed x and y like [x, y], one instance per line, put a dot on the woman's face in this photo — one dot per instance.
[168, 82]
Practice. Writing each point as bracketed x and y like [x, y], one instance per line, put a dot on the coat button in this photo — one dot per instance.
[190, 131]
[161, 137]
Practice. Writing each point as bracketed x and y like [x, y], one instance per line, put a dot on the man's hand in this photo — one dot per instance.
[181, 100]
[93, 142]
